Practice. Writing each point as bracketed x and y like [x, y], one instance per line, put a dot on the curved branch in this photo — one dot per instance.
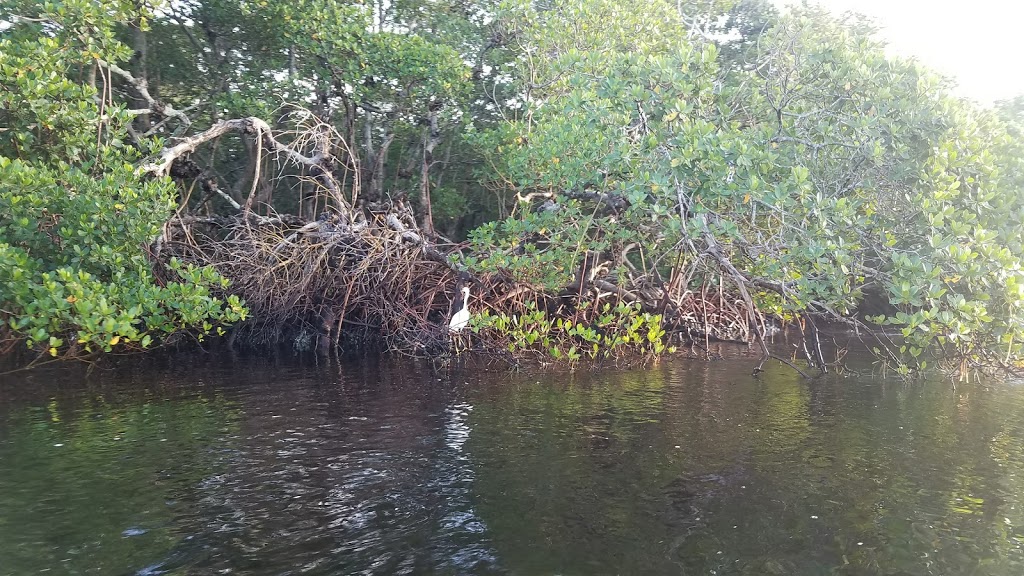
[320, 162]
[142, 87]
[252, 126]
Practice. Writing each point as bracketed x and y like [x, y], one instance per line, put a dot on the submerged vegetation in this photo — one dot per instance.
[627, 176]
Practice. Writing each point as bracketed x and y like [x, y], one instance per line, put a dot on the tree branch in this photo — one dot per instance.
[252, 126]
[320, 162]
[142, 87]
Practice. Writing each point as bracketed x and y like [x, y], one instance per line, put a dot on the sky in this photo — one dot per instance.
[979, 43]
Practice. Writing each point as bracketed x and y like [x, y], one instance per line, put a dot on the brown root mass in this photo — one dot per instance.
[329, 282]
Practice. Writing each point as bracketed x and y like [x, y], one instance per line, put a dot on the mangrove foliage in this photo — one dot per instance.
[612, 178]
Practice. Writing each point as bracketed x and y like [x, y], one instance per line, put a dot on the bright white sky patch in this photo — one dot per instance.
[979, 43]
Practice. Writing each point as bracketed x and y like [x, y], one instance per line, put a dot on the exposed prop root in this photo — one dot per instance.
[321, 277]
[330, 282]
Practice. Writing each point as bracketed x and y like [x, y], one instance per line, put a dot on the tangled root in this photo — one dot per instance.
[372, 279]
[377, 281]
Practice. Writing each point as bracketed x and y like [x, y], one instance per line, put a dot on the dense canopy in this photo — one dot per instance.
[666, 156]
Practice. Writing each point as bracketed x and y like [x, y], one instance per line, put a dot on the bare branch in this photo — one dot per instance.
[142, 87]
[251, 126]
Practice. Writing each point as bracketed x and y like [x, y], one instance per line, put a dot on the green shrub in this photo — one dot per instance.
[76, 217]
[611, 332]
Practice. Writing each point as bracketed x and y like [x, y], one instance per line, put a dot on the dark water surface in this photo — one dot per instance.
[197, 465]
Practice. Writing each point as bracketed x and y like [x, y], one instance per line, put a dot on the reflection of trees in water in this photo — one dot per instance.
[380, 469]
[705, 468]
[566, 472]
[360, 473]
[91, 480]
[270, 470]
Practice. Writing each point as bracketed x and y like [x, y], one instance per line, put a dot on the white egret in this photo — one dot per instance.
[461, 318]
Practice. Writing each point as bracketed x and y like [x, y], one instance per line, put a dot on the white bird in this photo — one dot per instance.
[461, 318]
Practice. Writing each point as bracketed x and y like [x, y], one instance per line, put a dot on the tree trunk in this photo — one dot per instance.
[377, 183]
[430, 141]
[375, 160]
[142, 122]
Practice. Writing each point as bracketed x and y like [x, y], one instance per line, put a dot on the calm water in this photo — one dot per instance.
[260, 466]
